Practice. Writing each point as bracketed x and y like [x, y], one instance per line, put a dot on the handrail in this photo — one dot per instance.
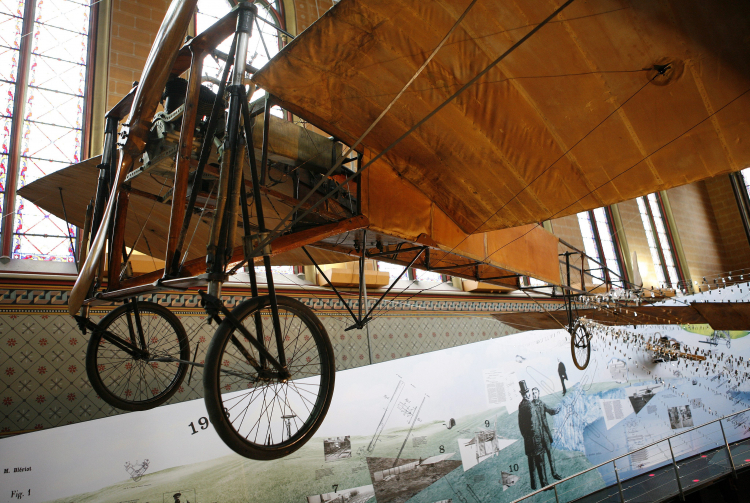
[552, 486]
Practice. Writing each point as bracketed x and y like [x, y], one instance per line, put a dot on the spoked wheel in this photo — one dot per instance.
[257, 411]
[580, 345]
[131, 382]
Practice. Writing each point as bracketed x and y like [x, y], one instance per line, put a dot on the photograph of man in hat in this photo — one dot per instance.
[531, 430]
[542, 410]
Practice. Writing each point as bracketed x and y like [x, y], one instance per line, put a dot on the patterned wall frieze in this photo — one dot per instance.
[43, 299]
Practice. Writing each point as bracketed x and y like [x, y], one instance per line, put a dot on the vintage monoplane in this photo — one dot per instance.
[452, 129]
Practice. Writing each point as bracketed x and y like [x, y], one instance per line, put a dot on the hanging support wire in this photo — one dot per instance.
[275, 27]
[278, 229]
[335, 290]
[67, 228]
[360, 321]
[367, 317]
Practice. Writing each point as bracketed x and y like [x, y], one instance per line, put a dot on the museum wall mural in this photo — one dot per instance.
[42, 352]
[488, 421]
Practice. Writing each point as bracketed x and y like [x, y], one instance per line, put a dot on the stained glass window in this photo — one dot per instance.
[600, 245]
[53, 110]
[11, 21]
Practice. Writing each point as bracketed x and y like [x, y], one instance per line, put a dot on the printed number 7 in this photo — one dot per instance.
[335, 488]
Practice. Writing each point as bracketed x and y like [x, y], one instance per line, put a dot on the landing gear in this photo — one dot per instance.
[259, 411]
[131, 356]
[580, 345]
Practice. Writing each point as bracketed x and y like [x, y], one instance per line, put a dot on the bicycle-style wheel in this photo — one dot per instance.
[138, 383]
[580, 345]
[258, 413]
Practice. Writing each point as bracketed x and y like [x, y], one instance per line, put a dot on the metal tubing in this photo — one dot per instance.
[264, 150]
[102, 188]
[392, 284]
[213, 121]
[729, 452]
[118, 239]
[182, 164]
[274, 311]
[362, 283]
[404, 250]
[276, 28]
[557, 499]
[262, 223]
[677, 474]
[230, 159]
[619, 484]
[83, 245]
[248, 123]
[367, 326]
[237, 184]
[139, 326]
[251, 270]
[335, 290]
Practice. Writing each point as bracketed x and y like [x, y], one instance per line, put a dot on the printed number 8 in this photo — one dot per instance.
[487, 423]
[442, 449]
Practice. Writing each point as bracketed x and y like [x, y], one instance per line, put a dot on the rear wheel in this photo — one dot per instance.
[580, 345]
[258, 412]
[138, 383]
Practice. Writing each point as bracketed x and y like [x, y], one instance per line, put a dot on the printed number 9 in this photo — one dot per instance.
[487, 423]
[442, 449]
[203, 422]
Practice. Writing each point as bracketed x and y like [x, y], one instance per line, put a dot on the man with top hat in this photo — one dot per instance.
[532, 433]
[542, 410]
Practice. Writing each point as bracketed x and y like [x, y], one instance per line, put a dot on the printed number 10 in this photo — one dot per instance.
[202, 422]
[513, 467]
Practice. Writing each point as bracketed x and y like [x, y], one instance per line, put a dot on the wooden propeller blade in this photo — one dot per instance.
[159, 64]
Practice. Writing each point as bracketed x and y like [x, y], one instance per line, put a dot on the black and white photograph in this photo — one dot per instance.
[640, 395]
[509, 480]
[680, 417]
[181, 496]
[398, 480]
[484, 445]
[537, 435]
[337, 448]
[353, 495]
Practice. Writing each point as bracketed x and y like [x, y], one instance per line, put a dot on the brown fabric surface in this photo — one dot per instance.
[647, 315]
[397, 207]
[506, 152]
[727, 316]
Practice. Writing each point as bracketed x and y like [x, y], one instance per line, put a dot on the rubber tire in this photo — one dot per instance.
[211, 381]
[578, 326]
[92, 361]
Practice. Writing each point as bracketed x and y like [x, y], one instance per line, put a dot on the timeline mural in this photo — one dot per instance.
[489, 421]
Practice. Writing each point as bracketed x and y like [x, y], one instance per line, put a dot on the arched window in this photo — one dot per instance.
[599, 243]
[265, 41]
[44, 74]
[659, 240]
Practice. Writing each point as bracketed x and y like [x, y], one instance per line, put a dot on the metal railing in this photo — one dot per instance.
[613, 462]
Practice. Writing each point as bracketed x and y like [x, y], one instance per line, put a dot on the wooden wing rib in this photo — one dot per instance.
[158, 67]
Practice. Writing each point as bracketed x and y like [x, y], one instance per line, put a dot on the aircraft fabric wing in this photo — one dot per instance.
[607, 102]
